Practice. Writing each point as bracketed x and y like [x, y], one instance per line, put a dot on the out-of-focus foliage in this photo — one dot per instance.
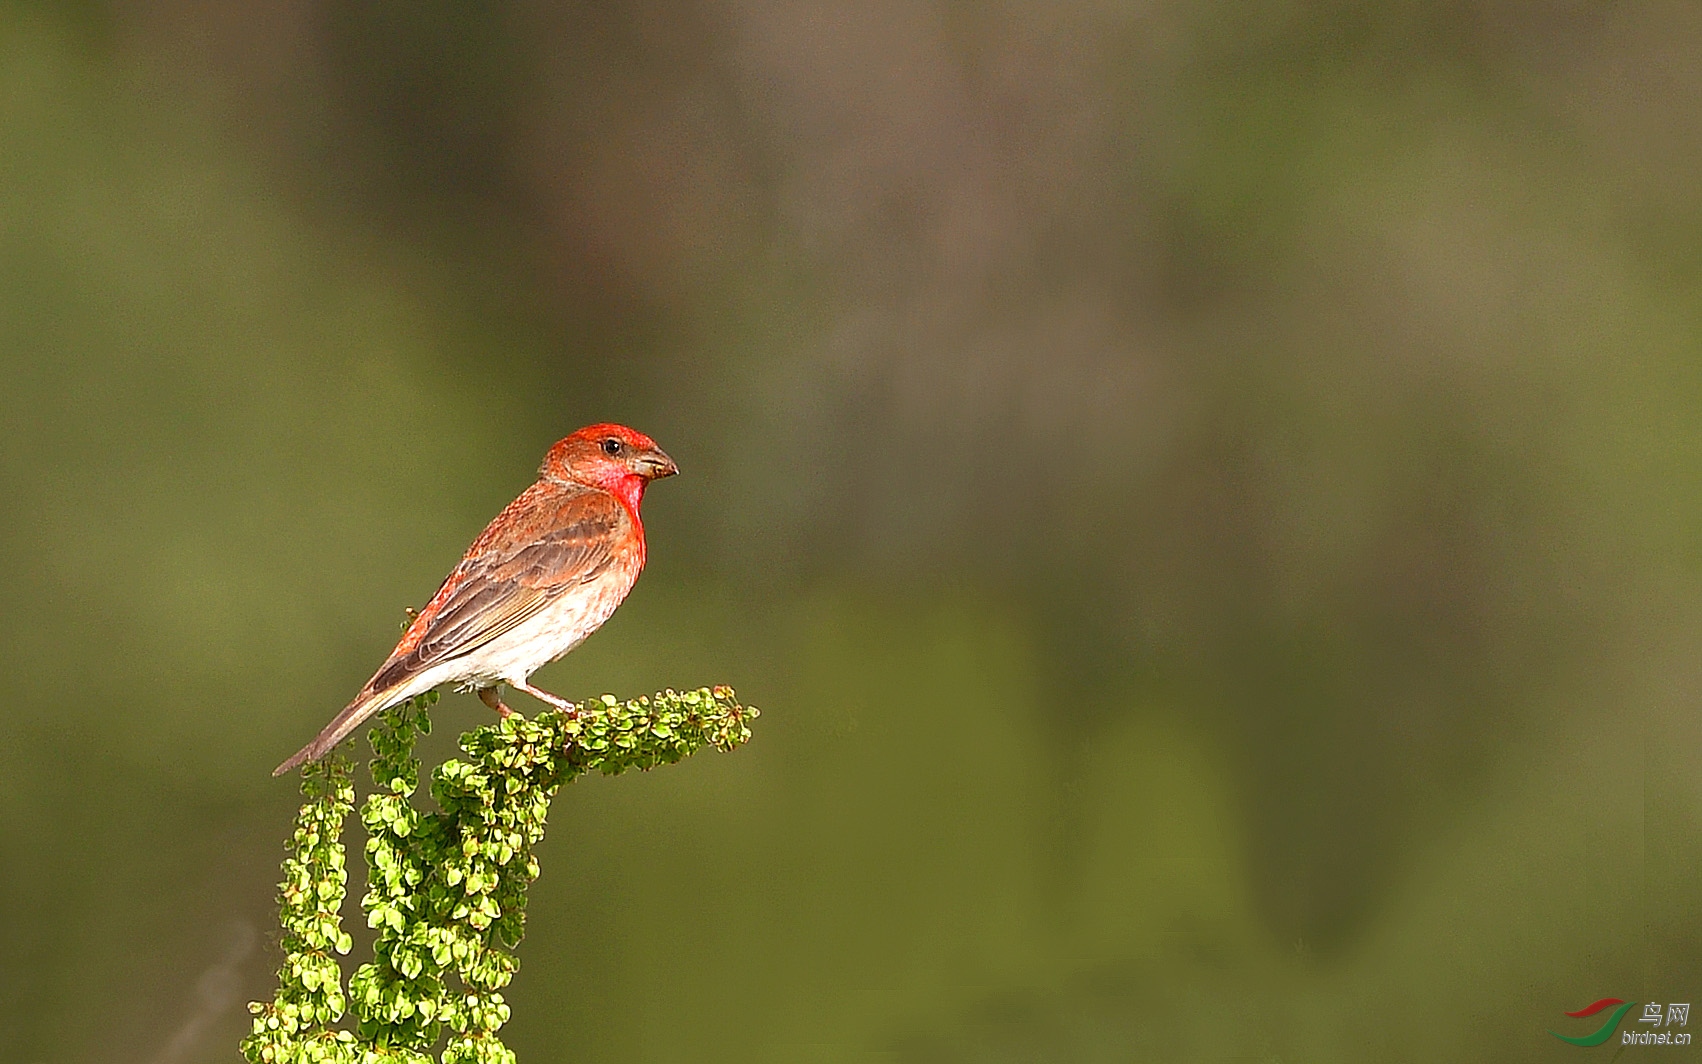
[447, 889]
[1209, 491]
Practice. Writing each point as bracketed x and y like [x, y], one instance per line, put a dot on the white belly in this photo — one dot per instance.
[532, 644]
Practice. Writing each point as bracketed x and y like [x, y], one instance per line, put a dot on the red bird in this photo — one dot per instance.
[541, 577]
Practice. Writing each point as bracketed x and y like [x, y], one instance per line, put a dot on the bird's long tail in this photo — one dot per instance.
[352, 716]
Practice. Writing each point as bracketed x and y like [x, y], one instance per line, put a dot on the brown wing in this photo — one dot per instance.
[554, 537]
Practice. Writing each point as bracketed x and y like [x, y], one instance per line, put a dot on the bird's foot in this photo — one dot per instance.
[490, 697]
[544, 696]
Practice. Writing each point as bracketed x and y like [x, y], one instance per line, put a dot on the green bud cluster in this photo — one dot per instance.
[295, 1026]
[447, 889]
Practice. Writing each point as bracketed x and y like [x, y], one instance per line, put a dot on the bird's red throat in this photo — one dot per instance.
[629, 489]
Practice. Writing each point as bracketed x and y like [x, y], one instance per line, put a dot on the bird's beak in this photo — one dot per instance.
[655, 465]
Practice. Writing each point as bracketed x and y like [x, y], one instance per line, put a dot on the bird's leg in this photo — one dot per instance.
[544, 696]
[490, 697]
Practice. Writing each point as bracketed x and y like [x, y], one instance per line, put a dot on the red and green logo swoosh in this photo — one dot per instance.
[1607, 1028]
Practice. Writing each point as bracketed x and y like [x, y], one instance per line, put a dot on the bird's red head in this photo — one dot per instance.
[614, 458]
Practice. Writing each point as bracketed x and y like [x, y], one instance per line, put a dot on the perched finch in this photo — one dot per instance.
[546, 573]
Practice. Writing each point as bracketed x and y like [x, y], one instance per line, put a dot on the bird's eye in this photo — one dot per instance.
[611, 447]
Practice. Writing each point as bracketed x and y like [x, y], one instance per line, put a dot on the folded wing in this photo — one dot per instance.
[503, 582]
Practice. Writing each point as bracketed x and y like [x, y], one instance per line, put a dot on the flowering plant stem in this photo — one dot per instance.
[446, 889]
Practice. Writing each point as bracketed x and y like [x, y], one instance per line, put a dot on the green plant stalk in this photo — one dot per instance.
[446, 889]
[296, 1024]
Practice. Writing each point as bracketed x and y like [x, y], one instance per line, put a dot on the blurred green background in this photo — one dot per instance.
[1206, 493]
